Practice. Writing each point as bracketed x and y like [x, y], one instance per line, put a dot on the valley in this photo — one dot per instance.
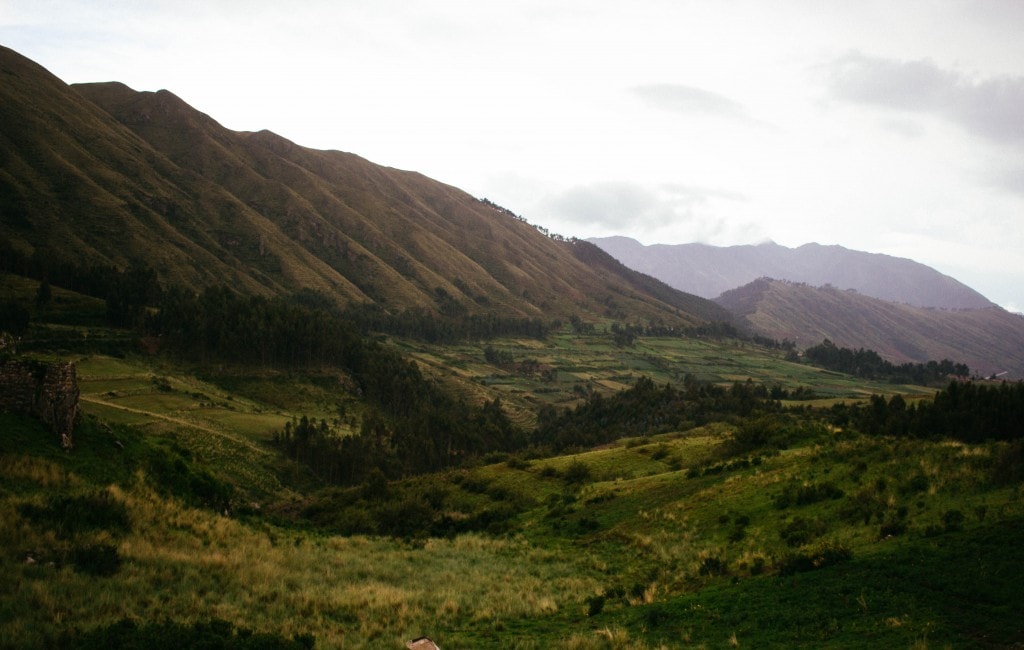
[326, 403]
[672, 539]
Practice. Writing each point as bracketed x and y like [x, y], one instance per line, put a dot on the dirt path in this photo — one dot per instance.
[239, 440]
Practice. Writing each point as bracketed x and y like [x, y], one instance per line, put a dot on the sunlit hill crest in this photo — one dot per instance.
[102, 174]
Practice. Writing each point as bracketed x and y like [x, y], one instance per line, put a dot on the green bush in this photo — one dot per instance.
[1008, 467]
[70, 515]
[892, 529]
[713, 566]
[819, 558]
[953, 520]
[802, 494]
[215, 635]
[800, 531]
[577, 472]
[96, 559]
[595, 605]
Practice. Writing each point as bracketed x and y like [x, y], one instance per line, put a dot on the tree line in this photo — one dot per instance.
[130, 292]
[867, 364]
[965, 411]
[647, 409]
[127, 292]
[433, 435]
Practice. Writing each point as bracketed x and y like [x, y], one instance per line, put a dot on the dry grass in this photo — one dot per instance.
[188, 565]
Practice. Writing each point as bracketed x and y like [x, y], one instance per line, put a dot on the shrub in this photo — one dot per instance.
[915, 484]
[549, 472]
[517, 463]
[819, 558]
[408, 517]
[215, 634]
[757, 566]
[763, 431]
[1008, 467]
[861, 506]
[68, 515]
[806, 494]
[800, 531]
[576, 472]
[96, 560]
[892, 529]
[953, 520]
[713, 566]
[595, 605]
[587, 524]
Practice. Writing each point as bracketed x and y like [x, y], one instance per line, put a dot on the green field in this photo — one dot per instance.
[669, 540]
[568, 366]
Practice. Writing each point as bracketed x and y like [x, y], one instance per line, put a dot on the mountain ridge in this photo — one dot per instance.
[989, 340]
[709, 271]
[103, 174]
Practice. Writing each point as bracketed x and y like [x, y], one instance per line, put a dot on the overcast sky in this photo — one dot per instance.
[891, 127]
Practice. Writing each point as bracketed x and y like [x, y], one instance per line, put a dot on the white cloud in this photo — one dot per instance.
[690, 100]
[674, 212]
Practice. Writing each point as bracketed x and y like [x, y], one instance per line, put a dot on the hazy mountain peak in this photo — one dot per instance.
[708, 271]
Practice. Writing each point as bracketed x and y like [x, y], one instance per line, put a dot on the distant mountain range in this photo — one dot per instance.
[989, 340]
[102, 174]
[904, 310]
[709, 271]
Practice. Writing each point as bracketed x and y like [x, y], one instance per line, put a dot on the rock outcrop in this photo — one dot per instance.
[46, 391]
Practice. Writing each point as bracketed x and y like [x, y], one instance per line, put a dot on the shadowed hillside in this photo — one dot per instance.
[101, 174]
[988, 340]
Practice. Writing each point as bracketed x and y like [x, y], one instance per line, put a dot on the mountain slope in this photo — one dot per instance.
[102, 174]
[711, 270]
[988, 340]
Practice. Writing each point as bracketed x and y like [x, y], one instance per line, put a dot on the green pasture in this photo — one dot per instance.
[562, 369]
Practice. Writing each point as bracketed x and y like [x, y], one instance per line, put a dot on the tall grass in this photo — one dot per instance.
[190, 565]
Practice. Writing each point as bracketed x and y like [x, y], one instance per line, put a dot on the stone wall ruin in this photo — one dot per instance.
[45, 391]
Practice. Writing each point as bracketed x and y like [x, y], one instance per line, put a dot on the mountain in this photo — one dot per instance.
[989, 340]
[711, 270]
[102, 174]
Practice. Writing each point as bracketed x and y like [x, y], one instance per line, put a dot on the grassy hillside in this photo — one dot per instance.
[678, 540]
[102, 175]
[988, 340]
[174, 507]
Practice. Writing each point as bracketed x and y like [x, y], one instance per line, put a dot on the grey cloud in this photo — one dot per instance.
[906, 128]
[992, 108]
[1009, 180]
[606, 204]
[697, 194]
[620, 206]
[688, 99]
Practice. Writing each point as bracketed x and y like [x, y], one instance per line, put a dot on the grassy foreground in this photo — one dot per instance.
[172, 507]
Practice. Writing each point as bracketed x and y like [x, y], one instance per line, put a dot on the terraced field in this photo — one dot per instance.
[565, 367]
